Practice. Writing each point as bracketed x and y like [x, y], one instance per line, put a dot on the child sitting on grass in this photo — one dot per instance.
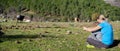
[102, 34]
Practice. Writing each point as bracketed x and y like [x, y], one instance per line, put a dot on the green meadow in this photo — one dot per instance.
[49, 36]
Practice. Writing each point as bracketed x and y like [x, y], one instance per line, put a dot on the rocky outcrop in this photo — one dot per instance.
[113, 2]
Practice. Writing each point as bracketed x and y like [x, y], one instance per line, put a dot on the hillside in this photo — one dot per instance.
[59, 10]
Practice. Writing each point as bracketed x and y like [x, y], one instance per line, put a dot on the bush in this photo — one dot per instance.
[82, 9]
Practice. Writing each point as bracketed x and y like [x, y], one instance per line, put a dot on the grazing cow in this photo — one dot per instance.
[20, 18]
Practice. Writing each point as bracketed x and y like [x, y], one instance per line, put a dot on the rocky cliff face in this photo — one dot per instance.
[113, 2]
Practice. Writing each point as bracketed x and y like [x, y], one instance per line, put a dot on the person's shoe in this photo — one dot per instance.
[103, 48]
[90, 46]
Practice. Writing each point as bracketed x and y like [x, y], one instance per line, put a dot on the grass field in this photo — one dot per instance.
[49, 36]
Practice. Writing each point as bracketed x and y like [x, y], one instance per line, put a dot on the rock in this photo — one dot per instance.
[60, 46]
[43, 36]
[63, 41]
[77, 33]
[29, 26]
[116, 37]
[78, 43]
[16, 28]
[26, 20]
[33, 29]
[58, 30]
[5, 20]
[40, 33]
[48, 50]
[68, 32]
[119, 45]
[40, 44]
[46, 32]
[13, 26]
[0, 28]
[18, 42]
[1, 33]
[25, 28]
[10, 27]
[37, 26]
[1, 41]
[6, 27]
[29, 40]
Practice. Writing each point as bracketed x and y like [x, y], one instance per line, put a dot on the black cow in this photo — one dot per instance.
[20, 18]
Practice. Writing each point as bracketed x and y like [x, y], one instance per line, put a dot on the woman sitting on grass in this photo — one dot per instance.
[102, 34]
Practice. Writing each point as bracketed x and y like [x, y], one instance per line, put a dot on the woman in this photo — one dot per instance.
[105, 36]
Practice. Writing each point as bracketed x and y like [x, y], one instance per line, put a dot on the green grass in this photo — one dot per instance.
[51, 36]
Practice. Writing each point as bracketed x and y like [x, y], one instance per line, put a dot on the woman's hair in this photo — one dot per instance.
[102, 17]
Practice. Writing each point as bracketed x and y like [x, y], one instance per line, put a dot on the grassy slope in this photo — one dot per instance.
[50, 37]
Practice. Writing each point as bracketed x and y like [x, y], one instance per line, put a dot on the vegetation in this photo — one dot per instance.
[49, 36]
[52, 36]
[63, 9]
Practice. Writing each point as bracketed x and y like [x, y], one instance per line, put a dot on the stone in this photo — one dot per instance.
[29, 40]
[68, 32]
[77, 33]
[16, 28]
[37, 26]
[46, 32]
[18, 42]
[119, 45]
[58, 30]
[116, 37]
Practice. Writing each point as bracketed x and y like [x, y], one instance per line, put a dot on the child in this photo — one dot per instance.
[104, 38]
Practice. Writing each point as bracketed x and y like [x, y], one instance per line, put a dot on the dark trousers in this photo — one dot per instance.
[96, 43]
